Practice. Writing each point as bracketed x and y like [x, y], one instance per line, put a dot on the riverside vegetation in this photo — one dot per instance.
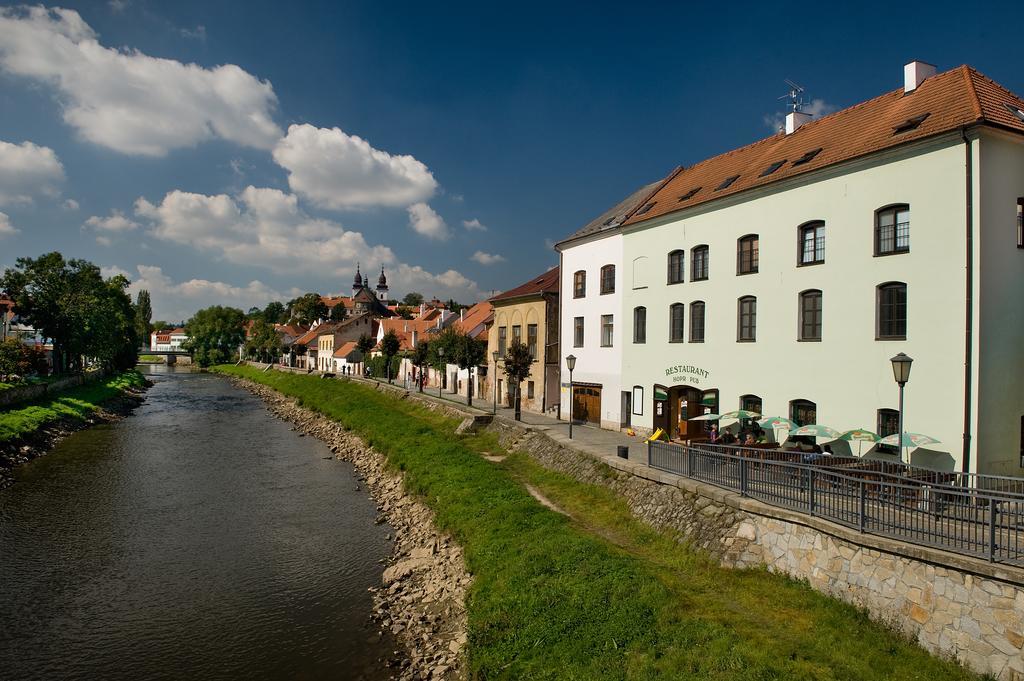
[594, 593]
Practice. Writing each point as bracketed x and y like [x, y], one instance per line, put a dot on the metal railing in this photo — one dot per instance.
[969, 521]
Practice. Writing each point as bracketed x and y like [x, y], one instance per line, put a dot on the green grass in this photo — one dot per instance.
[78, 403]
[601, 596]
[151, 358]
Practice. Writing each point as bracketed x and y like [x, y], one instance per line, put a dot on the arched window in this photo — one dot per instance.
[891, 311]
[746, 254]
[640, 324]
[579, 284]
[892, 230]
[607, 279]
[749, 403]
[803, 412]
[810, 315]
[697, 321]
[675, 327]
[640, 268]
[812, 243]
[675, 266]
[747, 319]
[699, 263]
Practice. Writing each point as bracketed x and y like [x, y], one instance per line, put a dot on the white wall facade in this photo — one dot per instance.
[847, 374]
[595, 364]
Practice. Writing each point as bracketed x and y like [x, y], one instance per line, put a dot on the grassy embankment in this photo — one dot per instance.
[77, 403]
[601, 595]
[151, 359]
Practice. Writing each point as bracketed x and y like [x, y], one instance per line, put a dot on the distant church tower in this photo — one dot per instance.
[382, 287]
[357, 283]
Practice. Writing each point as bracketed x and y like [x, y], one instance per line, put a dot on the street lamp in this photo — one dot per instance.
[901, 372]
[570, 362]
[494, 380]
[440, 357]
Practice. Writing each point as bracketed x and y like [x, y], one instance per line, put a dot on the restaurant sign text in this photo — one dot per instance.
[686, 373]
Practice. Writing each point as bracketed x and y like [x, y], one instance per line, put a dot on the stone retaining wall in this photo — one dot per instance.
[26, 393]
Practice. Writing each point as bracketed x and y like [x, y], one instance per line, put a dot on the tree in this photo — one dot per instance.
[274, 313]
[517, 368]
[159, 325]
[454, 306]
[18, 359]
[214, 334]
[307, 309]
[389, 347]
[365, 344]
[405, 312]
[263, 342]
[143, 313]
[464, 351]
[413, 299]
[338, 313]
[420, 358]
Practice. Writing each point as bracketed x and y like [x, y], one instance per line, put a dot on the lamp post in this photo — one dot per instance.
[901, 372]
[440, 356]
[494, 380]
[570, 362]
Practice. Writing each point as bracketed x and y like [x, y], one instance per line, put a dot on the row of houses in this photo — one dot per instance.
[780, 278]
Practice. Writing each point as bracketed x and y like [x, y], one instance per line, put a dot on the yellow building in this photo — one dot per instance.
[529, 314]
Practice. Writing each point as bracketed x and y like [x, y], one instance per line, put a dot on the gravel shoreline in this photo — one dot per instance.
[421, 601]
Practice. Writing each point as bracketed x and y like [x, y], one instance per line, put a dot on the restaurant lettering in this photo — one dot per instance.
[686, 373]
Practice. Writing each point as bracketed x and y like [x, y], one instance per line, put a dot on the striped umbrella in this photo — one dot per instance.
[705, 417]
[741, 414]
[909, 440]
[860, 435]
[816, 430]
[776, 422]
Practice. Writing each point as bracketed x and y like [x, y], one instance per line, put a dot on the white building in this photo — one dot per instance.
[782, 277]
[167, 340]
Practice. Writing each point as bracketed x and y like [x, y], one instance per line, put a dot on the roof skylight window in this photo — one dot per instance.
[772, 168]
[1016, 111]
[609, 222]
[646, 208]
[909, 124]
[726, 182]
[807, 157]
[689, 195]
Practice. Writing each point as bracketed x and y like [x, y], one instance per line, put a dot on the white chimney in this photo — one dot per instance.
[794, 119]
[914, 74]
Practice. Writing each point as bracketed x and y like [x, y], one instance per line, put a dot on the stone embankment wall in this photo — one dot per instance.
[951, 605]
[421, 601]
[26, 393]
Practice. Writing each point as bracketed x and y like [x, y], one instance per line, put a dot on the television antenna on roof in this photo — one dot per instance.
[795, 95]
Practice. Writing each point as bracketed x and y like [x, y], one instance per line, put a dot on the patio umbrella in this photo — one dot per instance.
[860, 435]
[816, 430]
[909, 440]
[741, 414]
[705, 417]
[776, 422]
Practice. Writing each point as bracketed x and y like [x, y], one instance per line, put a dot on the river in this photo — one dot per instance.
[199, 538]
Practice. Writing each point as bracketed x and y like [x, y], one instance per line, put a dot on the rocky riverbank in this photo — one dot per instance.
[421, 601]
[21, 450]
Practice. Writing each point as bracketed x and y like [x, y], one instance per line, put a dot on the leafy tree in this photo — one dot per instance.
[143, 313]
[454, 306]
[215, 333]
[18, 359]
[307, 309]
[420, 358]
[159, 325]
[389, 346]
[517, 368]
[413, 299]
[405, 312]
[263, 342]
[365, 344]
[462, 350]
[274, 313]
[254, 313]
[338, 313]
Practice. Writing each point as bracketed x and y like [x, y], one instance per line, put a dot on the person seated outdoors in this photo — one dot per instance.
[713, 434]
[749, 440]
[727, 437]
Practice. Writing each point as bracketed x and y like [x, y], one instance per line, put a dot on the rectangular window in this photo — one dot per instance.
[531, 339]
[577, 332]
[606, 330]
[892, 311]
[675, 267]
[579, 284]
[892, 233]
[812, 244]
[676, 318]
[529, 390]
[888, 424]
[699, 264]
[803, 413]
[1020, 223]
[746, 255]
[810, 316]
[640, 325]
[502, 340]
[607, 279]
[747, 322]
[697, 322]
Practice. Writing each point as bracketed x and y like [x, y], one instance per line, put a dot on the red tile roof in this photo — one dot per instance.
[345, 350]
[545, 283]
[476, 318]
[951, 100]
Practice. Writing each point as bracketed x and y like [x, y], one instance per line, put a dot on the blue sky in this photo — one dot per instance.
[234, 152]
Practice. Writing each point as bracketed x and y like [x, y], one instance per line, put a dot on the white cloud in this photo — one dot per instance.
[118, 5]
[474, 225]
[486, 258]
[28, 170]
[817, 108]
[197, 33]
[424, 220]
[71, 204]
[6, 228]
[266, 228]
[129, 101]
[115, 222]
[340, 171]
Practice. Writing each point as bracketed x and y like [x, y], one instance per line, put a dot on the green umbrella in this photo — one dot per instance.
[815, 430]
[705, 417]
[860, 435]
[776, 422]
[909, 440]
[741, 414]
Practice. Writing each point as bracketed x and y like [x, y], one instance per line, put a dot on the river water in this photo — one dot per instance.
[200, 538]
